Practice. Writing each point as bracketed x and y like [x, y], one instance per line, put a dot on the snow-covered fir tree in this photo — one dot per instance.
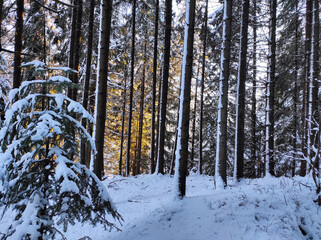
[41, 179]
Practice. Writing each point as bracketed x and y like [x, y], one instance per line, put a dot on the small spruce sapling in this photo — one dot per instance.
[41, 181]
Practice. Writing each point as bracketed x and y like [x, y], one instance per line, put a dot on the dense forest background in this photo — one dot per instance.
[272, 109]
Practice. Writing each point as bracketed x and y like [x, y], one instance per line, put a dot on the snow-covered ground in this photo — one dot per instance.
[260, 209]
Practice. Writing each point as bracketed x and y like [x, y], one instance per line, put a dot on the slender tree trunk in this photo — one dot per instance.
[221, 143]
[185, 99]
[158, 117]
[194, 119]
[240, 104]
[269, 145]
[141, 110]
[153, 128]
[101, 86]
[314, 78]
[166, 64]
[171, 170]
[83, 159]
[295, 90]
[308, 33]
[253, 97]
[131, 86]
[200, 161]
[18, 45]
[72, 45]
[123, 123]
[75, 77]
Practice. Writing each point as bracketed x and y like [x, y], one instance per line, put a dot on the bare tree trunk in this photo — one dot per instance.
[1, 12]
[200, 161]
[221, 143]
[308, 33]
[72, 44]
[153, 128]
[75, 77]
[18, 45]
[131, 86]
[83, 159]
[120, 170]
[166, 64]
[253, 97]
[185, 99]
[194, 119]
[269, 145]
[141, 111]
[101, 87]
[240, 105]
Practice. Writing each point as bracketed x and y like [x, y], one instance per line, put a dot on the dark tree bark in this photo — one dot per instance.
[153, 128]
[18, 45]
[75, 77]
[141, 109]
[240, 105]
[185, 99]
[295, 90]
[166, 64]
[131, 86]
[72, 45]
[253, 97]
[1, 12]
[308, 33]
[86, 91]
[101, 88]
[200, 161]
[221, 146]
[270, 164]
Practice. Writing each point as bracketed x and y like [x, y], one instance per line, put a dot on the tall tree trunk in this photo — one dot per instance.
[240, 104]
[158, 117]
[194, 119]
[166, 64]
[75, 77]
[185, 99]
[269, 145]
[101, 86]
[221, 143]
[83, 159]
[153, 128]
[200, 161]
[131, 89]
[253, 97]
[314, 78]
[141, 110]
[72, 44]
[18, 45]
[295, 90]
[120, 170]
[308, 33]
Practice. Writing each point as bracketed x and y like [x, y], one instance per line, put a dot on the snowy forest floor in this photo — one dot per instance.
[268, 208]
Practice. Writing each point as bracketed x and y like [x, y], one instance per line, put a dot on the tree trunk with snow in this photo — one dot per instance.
[153, 127]
[86, 90]
[185, 99]
[141, 109]
[164, 91]
[200, 160]
[269, 125]
[18, 45]
[240, 104]
[101, 85]
[220, 179]
[308, 34]
[253, 97]
[131, 88]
